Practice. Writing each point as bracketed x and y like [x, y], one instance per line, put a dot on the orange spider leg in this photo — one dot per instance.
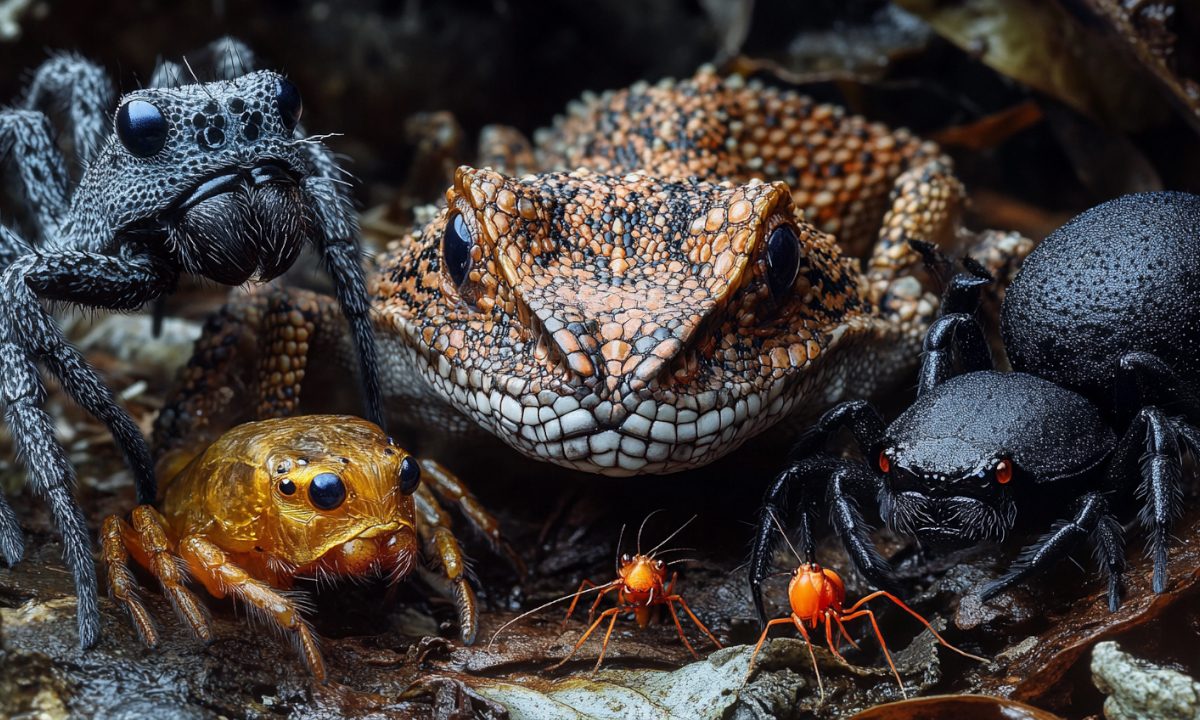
[145, 536]
[883, 644]
[917, 615]
[611, 612]
[221, 576]
[122, 586]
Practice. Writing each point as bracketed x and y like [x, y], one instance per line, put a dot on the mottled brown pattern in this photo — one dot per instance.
[616, 316]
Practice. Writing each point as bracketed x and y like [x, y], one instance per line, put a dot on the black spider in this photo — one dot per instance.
[1102, 327]
[214, 179]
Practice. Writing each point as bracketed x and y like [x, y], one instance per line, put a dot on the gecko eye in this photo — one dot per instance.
[783, 260]
[456, 249]
[326, 491]
[410, 475]
[1003, 471]
[142, 128]
[287, 99]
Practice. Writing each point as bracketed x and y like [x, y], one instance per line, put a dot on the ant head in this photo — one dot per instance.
[814, 590]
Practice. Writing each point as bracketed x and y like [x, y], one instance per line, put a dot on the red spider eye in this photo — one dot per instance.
[885, 465]
[1004, 472]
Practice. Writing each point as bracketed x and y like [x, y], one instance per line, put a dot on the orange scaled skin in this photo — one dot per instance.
[816, 596]
[641, 587]
[227, 521]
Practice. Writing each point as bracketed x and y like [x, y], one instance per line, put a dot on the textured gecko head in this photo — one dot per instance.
[210, 173]
[619, 325]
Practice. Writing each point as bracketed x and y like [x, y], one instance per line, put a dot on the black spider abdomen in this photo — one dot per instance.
[1123, 276]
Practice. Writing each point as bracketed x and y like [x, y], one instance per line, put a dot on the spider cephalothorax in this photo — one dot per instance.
[213, 179]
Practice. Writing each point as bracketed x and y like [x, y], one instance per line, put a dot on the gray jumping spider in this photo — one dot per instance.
[215, 180]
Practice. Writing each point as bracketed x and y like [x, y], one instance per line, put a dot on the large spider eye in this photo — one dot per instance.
[885, 465]
[287, 99]
[327, 491]
[456, 248]
[142, 128]
[783, 260]
[410, 475]
[1003, 471]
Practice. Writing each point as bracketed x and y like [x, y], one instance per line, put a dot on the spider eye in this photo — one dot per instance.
[783, 260]
[287, 487]
[287, 99]
[142, 128]
[885, 465]
[456, 248]
[410, 475]
[1004, 471]
[327, 491]
[625, 559]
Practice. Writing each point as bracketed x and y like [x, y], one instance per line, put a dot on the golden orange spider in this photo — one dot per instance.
[817, 595]
[642, 588]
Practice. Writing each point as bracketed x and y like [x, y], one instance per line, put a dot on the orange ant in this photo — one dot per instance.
[641, 586]
[817, 595]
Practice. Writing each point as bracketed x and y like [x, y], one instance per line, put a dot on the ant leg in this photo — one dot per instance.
[122, 586]
[612, 622]
[1090, 508]
[611, 612]
[212, 567]
[829, 635]
[882, 643]
[433, 526]
[703, 628]
[678, 627]
[811, 655]
[761, 639]
[845, 635]
[451, 490]
[920, 618]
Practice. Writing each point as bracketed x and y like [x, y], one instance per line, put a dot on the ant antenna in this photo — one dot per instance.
[617, 555]
[543, 606]
[643, 527]
[785, 537]
[667, 539]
